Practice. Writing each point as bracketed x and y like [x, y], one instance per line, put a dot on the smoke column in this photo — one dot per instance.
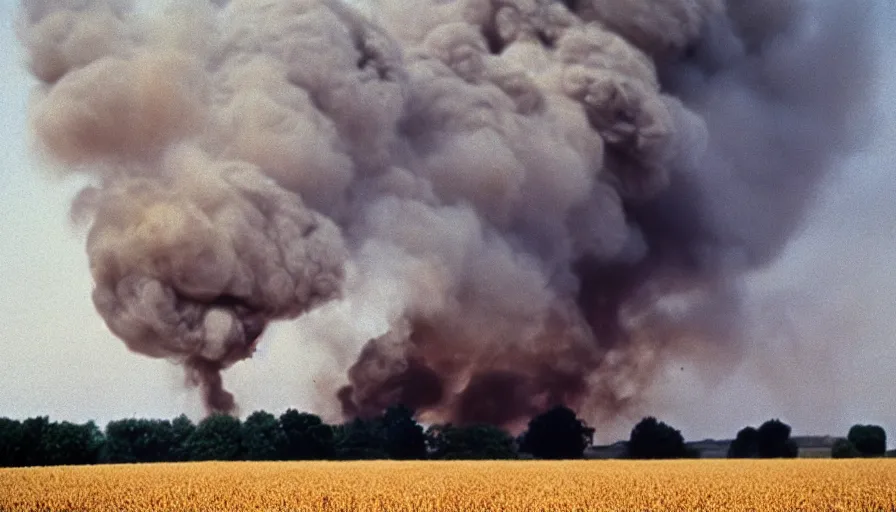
[540, 201]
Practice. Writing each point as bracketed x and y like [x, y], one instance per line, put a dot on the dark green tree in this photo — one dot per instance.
[181, 430]
[217, 437]
[745, 445]
[12, 449]
[470, 442]
[361, 440]
[843, 449]
[263, 439]
[773, 441]
[307, 436]
[404, 437]
[65, 444]
[139, 440]
[556, 434]
[33, 446]
[869, 440]
[653, 439]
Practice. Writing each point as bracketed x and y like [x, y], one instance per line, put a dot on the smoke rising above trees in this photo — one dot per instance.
[539, 202]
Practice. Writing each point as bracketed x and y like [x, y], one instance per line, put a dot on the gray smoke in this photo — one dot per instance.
[557, 195]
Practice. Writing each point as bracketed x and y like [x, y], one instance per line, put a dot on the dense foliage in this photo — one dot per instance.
[307, 437]
[470, 442]
[557, 434]
[653, 439]
[770, 441]
[862, 441]
[395, 434]
[745, 445]
[869, 440]
[262, 438]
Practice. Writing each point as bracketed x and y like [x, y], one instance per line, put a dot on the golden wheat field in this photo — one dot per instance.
[794, 485]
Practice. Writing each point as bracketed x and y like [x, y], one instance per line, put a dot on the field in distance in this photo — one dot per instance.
[694, 485]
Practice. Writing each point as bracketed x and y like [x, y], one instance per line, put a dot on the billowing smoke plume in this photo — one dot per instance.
[558, 195]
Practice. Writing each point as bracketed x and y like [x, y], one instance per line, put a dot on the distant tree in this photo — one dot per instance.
[307, 436]
[403, 436]
[181, 430]
[745, 445]
[66, 443]
[138, 440]
[652, 439]
[217, 437]
[869, 440]
[470, 442]
[556, 434]
[773, 441]
[262, 437]
[96, 442]
[361, 440]
[33, 447]
[843, 449]
[120, 440]
[12, 450]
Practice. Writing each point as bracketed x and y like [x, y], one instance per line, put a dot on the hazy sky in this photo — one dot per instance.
[831, 300]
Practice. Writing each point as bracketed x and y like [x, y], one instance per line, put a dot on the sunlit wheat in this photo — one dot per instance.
[696, 485]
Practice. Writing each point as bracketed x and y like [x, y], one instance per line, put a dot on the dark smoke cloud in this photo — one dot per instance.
[536, 201]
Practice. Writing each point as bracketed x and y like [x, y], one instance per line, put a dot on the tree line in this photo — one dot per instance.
[555, 434]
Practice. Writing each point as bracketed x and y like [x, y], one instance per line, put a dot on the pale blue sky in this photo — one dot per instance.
[58, 359]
